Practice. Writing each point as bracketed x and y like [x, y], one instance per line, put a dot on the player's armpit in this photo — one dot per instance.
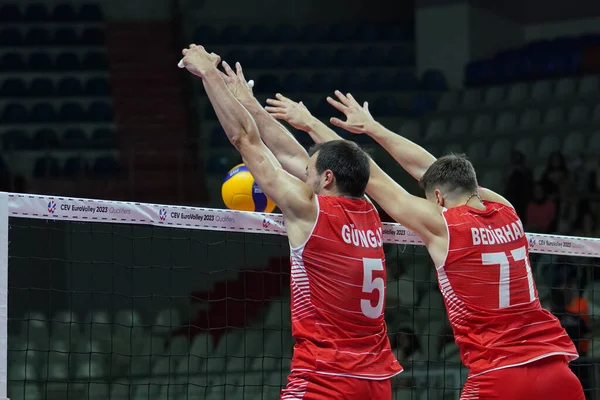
[416, 213]
[490, 195]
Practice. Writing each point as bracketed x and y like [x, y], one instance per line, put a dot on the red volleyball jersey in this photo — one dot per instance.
[490, 294]
[338, 294]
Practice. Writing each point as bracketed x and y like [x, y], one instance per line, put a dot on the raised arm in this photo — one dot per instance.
[292, 196]
[290, 154]
[413, 158]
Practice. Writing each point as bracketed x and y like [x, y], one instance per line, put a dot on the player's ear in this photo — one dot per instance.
[328, 178]
[439, 197]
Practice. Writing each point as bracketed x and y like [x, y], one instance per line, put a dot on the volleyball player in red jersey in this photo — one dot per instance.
[514, 348]
[338, 268]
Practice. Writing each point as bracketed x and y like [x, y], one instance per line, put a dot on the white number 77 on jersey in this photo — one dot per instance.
[502, 260]
[369, 285]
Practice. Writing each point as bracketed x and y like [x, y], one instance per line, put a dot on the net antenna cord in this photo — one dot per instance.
[250, 82]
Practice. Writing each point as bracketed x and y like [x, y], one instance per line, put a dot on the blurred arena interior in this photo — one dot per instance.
[92, 105]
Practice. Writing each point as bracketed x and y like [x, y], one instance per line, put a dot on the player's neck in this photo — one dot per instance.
[471, 200]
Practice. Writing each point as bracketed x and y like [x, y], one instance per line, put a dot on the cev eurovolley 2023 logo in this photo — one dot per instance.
[51, 206]
[162, 214]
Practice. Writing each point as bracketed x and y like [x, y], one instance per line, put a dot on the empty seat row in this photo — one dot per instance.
[39, 36]
[39, 61]
[40, 12]
[45, 87]
[349, 80]
[321, 57]
[50, 167]
[522, 92]
[304, 34]
[97, 111]
[508, 121]
[48, 138]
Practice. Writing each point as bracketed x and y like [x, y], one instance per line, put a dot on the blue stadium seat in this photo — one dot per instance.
[11, 37]
[259, 34]
[218, 138]
[371, 56]
[324, 82]
[14, 113]
[295, 82]
[70, 86]
[36, 12]
[434, 79]
[93, 37]
[39, 62]
[318, 58]
[397, 32]
[263, 58]
[345, 57]
[13, 87]
[96, 61]
[72, 112]
[290, 58]
[10, 13]
[370, 33]
[42, 87]
[385, 106]
[90, 13]
[206, 34]
[74, 167]
[287, 33]
[37, 37]
[104, 139]
[231, 34]
[238, 55]
[340, 33]
[16, 140]
[375, 81]
[100, 111]
[422, 103]
[105, 166]
[405, 81]
[46, 167]
[97, 86]
[313, 33]
[12, 62]
[351, 81]
[44, 139]
[65, 37]
[400, 56]
[68, 62]
[64, 13]
[43, 112]
[74, 138]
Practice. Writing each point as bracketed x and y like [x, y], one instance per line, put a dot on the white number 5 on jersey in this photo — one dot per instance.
[369, 285]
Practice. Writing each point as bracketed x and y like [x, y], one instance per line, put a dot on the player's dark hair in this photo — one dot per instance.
[453, 174]
[348, 162]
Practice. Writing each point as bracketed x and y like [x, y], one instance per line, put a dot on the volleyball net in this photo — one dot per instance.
[117, 300]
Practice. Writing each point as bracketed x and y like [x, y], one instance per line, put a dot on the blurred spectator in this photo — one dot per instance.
[567, 208]
[407, 348]
[578, 172]
[555, 175]
[541, 211]
[519, 183]
[585, 222]
[400, 295]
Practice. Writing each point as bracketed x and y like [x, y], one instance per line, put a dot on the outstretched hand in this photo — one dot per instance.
[236, 82]
[198, 61]
[295, 114]
[358, 117]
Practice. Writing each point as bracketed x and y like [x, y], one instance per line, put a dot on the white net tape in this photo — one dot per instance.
[76, 209]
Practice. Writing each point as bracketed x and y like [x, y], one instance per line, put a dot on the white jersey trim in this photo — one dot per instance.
[448, 245]
[366, 376]
[301, 247]
[572, 357]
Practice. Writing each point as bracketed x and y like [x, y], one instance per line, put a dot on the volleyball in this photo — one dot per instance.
[240, 192]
